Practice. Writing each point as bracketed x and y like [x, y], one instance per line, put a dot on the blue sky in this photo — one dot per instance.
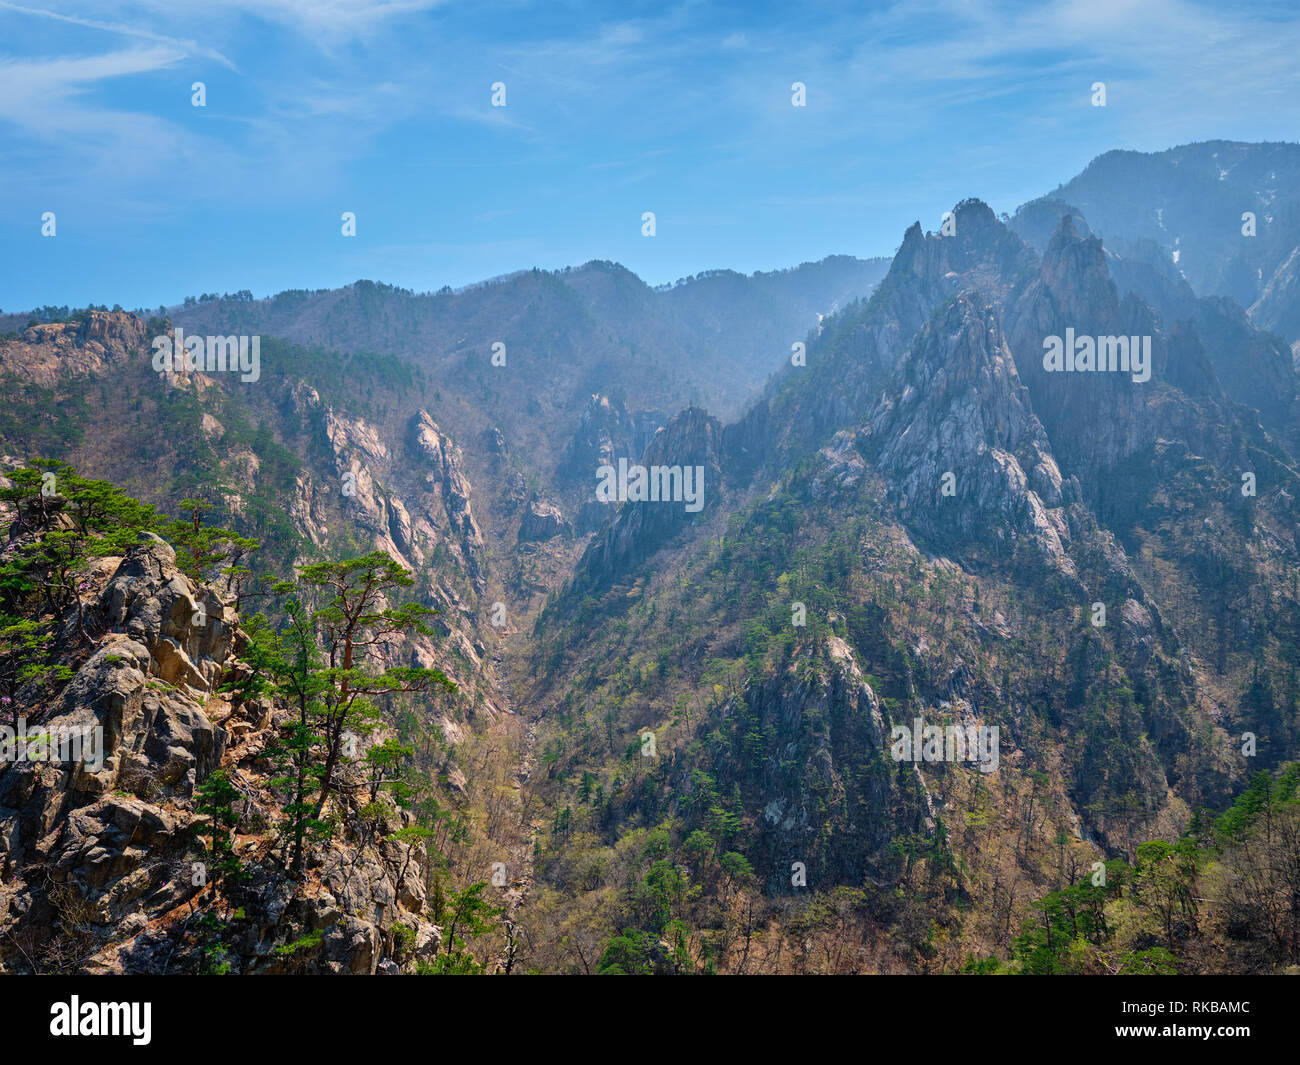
[384, 109]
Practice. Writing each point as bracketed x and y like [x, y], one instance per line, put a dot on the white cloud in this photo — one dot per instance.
[41, 94]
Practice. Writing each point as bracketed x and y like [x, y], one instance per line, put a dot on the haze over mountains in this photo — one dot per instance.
[1190, 201]
[674, 730]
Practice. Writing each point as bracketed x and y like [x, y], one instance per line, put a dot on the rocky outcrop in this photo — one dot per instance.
[543, 521]
[48, 354]
[1038, 220]
[966, 460]
[102, 858]
[1093, 419]
[642, 528]
[854, 354]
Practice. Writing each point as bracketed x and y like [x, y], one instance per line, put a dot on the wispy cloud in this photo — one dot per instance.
[189, 47]
[324, 22]
[42, 95]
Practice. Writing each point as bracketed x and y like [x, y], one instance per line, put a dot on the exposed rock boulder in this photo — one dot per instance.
[543, 521]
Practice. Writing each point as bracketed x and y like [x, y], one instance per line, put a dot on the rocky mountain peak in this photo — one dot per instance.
[1074, 271]
[972, 245]
[955, 437]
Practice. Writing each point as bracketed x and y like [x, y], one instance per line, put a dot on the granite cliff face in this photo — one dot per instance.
[853, 353]
[406, 497]
[956, 439]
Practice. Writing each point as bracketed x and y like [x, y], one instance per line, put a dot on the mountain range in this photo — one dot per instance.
[673, 743]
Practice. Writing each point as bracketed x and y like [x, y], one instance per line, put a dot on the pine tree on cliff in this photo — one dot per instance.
[326, 662]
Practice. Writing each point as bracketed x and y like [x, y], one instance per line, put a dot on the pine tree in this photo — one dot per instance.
[327, 663]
